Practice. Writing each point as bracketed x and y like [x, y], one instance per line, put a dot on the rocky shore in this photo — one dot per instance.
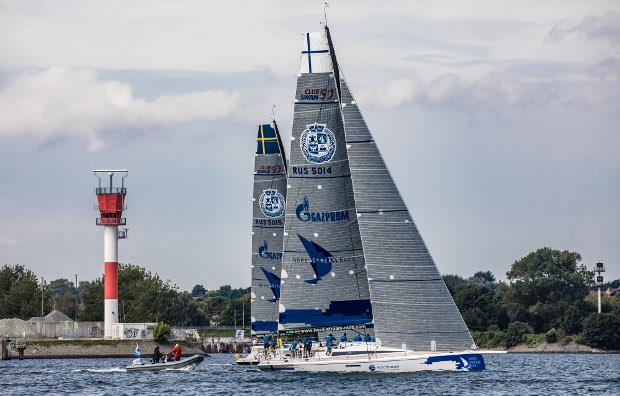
[571, 347]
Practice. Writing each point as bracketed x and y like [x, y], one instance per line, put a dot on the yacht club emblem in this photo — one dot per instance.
[271, 203]
[317, 143]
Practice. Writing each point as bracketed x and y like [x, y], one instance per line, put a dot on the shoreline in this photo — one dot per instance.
[91, 349]
[87, 349]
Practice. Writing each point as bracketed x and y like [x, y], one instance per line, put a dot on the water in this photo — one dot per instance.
[521, 374]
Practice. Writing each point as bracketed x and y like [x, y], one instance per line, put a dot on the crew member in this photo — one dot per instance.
[266, 342]
[328, 343]
[274, 344]
[366, 338]
[156, 354]
[293, 349]
[177, 352]
[357, 338]
[343, 340]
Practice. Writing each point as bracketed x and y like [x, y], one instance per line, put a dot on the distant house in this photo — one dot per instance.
[609, 292]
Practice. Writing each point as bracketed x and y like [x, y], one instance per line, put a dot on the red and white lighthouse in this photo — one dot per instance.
[111, 202]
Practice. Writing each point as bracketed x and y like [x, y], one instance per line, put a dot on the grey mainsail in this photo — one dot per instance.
[324, 282]
[410, 301]
[269, 201]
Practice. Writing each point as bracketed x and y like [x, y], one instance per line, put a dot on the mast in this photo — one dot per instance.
[282, 153]
[268, 202]
[332, 54]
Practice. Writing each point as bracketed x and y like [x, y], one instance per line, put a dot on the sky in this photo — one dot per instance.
[499, 121]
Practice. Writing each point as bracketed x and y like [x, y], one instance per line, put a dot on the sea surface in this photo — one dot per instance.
[511, 374]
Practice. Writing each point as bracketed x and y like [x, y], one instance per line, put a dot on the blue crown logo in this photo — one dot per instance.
[317, 143]
[271, 203]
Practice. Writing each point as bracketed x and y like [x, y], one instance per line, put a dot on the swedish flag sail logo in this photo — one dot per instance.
[267, 140]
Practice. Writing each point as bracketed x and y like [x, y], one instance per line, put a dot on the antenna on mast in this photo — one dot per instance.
[273, 111]
[325, 12]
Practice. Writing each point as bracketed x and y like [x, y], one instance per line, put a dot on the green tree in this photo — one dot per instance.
[601, 331]
[161, 332]
[91, 301]
[452, 281]
[234, 310]
[145, 297]
[198, 291]
[484, 278]
[479, 306]
[516, 332]
[542, 285]
[20, 293]
[227, 292]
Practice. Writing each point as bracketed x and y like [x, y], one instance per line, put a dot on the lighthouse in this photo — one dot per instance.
[111, 202]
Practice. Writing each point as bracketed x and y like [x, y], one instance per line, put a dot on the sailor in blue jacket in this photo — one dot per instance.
[329, 343]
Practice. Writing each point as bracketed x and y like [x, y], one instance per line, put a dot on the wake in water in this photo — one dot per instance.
[186, 368]
[102, 370]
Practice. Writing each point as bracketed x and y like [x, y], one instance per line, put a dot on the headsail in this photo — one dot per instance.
[410, 301]
[324, 282]
[267, 228]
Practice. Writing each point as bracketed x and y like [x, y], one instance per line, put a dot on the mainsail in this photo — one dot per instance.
[323, 279]
[269, 201]
[410, 301]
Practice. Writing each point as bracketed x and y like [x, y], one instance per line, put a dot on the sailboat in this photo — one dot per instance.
[268, 205]
[353, 259]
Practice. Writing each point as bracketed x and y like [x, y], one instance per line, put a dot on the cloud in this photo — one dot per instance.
[493, 92]
[8, 241]
[606, 26]
[57, 104]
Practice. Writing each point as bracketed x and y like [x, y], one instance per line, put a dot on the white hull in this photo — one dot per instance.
[382, 360]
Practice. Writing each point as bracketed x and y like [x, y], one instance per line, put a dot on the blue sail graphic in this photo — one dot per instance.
[320, 259]
[274, 284]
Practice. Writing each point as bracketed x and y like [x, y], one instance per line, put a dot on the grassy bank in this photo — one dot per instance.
[555, 342]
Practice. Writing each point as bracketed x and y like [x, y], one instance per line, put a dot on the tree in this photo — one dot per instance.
[198, 291]
[91, 301]
[515, 333]
[227, 292]
[479, 307]
[484, 278]
[161, 332]
[67, 304]
[20, 293]
[601, 331]
[542, 285]
[452, 281]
